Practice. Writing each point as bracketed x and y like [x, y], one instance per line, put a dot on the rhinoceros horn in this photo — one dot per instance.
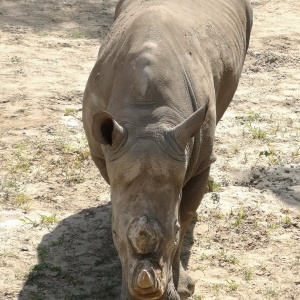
[144, 235]
[145, 279]
[106, 130]
[189, 127]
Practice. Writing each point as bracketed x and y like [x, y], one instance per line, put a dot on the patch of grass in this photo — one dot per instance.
[197, 297]
[70, 111]
[27, 220]
[223, 256]
[22, 199]
[218, 214]
[241, 215]
[258, 133]
[252, 116]
[271, 292]
[287, 221]
[78, 35]
[232, 285]
[45, 221]
[203, 256]
[247, 274]
[48, 220]
[212, 186]
[273, 226]
[216, 289]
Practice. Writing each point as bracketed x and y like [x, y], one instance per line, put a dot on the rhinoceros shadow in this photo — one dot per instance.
[78, 260]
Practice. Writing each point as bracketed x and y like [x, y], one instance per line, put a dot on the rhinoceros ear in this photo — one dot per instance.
[105, 129]
[184, 131]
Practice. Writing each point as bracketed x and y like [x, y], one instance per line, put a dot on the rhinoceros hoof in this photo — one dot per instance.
[186, 285]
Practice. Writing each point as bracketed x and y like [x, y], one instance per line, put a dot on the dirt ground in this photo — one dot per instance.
[55, 236]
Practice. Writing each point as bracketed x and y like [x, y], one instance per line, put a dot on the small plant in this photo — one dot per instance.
[212, 186]
[21, 199]
[267, 153]
[70, 111]
[77, 35]
[258, 133]
[44, 221]
[273, 226]
[48, 220]
[240, 216]
[223, 256]
[218, 214]
[248, 274]
[287, 221]
[29, 221]
[231, 260]
[216, 289]
[197, 297]
[271, 292]
[232, 285]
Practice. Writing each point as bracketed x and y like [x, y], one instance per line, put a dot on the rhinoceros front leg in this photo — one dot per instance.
[192, 195]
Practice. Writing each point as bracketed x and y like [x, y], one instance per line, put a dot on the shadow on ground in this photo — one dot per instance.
[284, 181]
[78, 260]
[91, 18]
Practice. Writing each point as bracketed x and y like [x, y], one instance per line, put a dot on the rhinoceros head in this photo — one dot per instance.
[146, 170]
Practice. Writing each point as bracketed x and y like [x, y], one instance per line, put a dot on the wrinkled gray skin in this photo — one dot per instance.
[165, 75]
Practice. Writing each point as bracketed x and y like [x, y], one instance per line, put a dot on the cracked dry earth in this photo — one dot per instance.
[55, 236]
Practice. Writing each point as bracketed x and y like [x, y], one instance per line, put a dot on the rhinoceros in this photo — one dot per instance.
[165, 74]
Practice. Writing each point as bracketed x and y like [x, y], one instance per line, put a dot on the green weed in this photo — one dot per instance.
[248, 274]
[232, 285]
[78, 35]
[271, 292]
[70, 111]
[44, 221]
[216, 289]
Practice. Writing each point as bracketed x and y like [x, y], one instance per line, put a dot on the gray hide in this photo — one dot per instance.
[165, 74]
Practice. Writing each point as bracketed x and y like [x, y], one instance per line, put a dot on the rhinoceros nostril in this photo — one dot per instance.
[145, 280]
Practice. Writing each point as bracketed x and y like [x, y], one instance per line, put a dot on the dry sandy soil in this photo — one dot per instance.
[55, 238]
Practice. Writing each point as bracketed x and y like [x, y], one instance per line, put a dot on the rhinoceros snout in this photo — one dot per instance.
[144, 235]
[147, 280]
